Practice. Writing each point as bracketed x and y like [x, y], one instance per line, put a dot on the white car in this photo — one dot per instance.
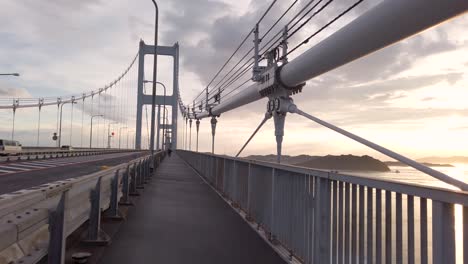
[8, 147]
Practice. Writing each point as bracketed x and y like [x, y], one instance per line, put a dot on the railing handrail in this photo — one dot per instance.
[425, 191]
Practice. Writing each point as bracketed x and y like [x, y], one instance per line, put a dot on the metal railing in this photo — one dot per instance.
[326, 217]
[35, 222]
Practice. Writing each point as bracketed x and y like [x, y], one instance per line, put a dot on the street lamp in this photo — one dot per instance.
[109, 135]
[60, 127]
[155, 63]
[120, 134]
[159, 109]
[10, 74]
[91, 131]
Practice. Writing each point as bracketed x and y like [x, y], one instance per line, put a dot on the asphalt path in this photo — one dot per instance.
[18, 175]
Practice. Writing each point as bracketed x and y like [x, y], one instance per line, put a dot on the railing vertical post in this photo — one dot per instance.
[340, 221]
[465, 234]
[150, 170]
[399, 228]
[95, 213]
[347, 196]
[95, 235]
[273, 194]
[423, 230]
[146, 171]
[57, 238]
[235, 189]
[139, 176]
[249, 189]
[443, 233]
[114, 199]
[388, 226]
[133, 183]
[126, 187]
[378, 226]
[410, 221]
[369, 224]
[334, 222]
[354, 225]
[361, 224]
[322, 221]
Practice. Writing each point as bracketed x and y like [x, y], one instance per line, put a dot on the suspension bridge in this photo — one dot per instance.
[107, 180]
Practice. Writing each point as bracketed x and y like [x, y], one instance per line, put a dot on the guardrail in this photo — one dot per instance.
[36, 221]
[29, 155]
[326, 217]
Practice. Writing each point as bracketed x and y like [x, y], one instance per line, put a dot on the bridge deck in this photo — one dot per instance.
[180, 219]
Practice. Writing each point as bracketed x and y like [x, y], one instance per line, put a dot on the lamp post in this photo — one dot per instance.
[10, 74]
[109, 136]
[155, 63]
[120, 134]
[159, 109]
[91, 131]
[60, 127]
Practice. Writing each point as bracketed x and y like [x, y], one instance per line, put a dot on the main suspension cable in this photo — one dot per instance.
[322, 28]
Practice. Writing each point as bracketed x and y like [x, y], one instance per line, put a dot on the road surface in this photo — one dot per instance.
[17, 175]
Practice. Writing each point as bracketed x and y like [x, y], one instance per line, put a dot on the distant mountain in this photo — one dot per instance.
[346, 162]
[453, 159]
[399, 164]
[329, 162]
[286, 159]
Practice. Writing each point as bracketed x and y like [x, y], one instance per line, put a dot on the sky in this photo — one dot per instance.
[409, 97]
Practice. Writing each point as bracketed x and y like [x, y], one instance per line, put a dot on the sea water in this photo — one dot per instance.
[413, 176]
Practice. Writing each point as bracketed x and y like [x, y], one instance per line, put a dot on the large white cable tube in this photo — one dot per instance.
[246, 96]
[383, 25]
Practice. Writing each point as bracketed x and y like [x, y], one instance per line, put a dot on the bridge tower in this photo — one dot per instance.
[145, 99]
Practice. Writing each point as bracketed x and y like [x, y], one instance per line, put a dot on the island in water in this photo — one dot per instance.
[329, 162]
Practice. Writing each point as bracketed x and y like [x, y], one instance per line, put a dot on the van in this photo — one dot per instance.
[9, 147]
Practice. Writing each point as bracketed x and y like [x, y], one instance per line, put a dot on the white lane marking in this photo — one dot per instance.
[39, 164]
[54, 163]
[6, 171]
[13, 168]
[30, 166]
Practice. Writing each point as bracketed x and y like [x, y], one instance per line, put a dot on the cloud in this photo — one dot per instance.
[10, 92]
[425, 99]
[395, 115]
[332, 90]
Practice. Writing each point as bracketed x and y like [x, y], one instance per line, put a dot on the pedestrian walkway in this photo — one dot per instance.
[180, 219]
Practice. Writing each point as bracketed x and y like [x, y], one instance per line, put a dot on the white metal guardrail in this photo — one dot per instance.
[326, 217]
[36, 221]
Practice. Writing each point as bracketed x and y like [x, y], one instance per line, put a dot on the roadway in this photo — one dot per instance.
[23, 174]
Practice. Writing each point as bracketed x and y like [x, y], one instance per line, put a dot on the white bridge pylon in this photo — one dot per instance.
[145, 99]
